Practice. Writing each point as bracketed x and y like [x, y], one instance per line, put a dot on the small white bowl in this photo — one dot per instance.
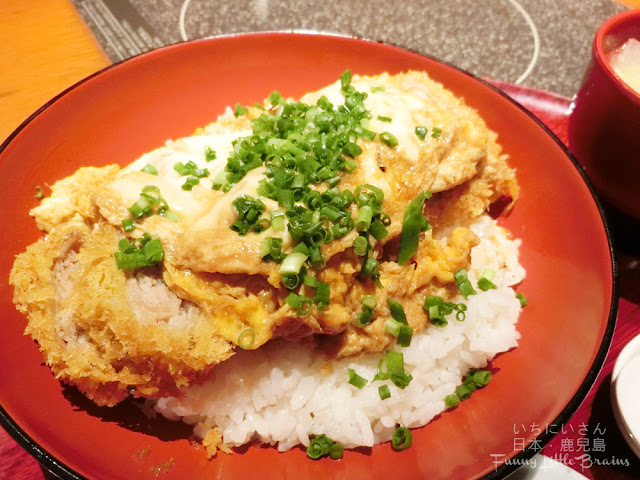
[625, 393]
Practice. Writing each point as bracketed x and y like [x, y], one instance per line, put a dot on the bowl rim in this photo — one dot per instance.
[65, 472]
[600, 53]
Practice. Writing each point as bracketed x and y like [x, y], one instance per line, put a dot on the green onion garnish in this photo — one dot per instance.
[473, 380]
[397, 312]
[39, 193]
[355, 379]
[401, 438]
[388, 138]
[322, 446]
[363, 318]
[369, 301]
[480, 378]
[151, 202]
[271, 249]
[451, 401]
[127, 225]
[337, 451]
[436, 132]
[239, 110]
[410, 235]
[464, 285]
[301, 304]
[150, 169]
[322, 295]
[484, 282]
[421, 132]
[142, 252]
[319, 447]
[384, 392]
[377, 89]
[209, 154]
[395, 371]
[384, 119]
[438, 309]
[246, 338]
[360, 245]
[523, 300]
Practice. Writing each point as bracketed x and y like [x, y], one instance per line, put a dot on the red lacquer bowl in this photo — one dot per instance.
[604, 127]
[125, 110]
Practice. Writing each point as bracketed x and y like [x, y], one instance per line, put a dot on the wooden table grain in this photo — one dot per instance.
[45, 47]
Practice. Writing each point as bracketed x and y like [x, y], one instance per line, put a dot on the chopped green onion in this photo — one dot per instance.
[384, 119]
[421, 132]
[395, 371]
[292, 263]
[246, 338]
[150, 169]
[360, 245]
[319, 446]
[337, 451]
[220, 180]
[378, 230]
[388, 138]
[480, 378]
[436, 132]
[451, 401]
[464, 285]
[392, 327]
[410, 235]
[322, 295]
[345, 79]
[369, 302]
[127, 225]
[438, 309]
[404, 335]
[277, 220]
[523, 300]
[271, 249]
[140, 208]
[240, 110]
[402, 438]
[142, 252]
[355, 379]
[301, 304]
[39, 193]
[371, 267]
[363, 318]
[190, 183]
[484, 282]
[377, 89]
[365, 215]
[209, 154]
[464, 391]
[384, 392]
[397, 312]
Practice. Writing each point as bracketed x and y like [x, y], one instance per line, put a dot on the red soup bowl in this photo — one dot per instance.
[604, 127]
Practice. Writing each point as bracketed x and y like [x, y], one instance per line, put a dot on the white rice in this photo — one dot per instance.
[282, 394]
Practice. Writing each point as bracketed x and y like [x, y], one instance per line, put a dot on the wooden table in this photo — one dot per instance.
[45, 47]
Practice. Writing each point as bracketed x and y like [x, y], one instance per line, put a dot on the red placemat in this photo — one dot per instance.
[590, 441]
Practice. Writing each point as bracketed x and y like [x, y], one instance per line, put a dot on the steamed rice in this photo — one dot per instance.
[283, 394]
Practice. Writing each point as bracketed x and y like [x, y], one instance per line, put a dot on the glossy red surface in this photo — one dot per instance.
[135, 106]
[604, 126]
